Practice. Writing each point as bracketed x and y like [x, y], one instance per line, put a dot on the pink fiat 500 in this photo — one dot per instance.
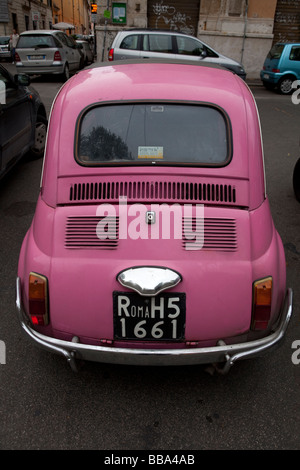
[152, 242]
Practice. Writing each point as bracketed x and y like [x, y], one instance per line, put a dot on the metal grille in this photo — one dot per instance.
[287, 21]
[88, 232]
[153, 191]
[212, 234]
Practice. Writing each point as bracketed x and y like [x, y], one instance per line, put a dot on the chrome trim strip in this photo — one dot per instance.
[226, 354]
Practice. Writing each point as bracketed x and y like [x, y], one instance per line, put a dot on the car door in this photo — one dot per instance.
[157, 46]
[294, 60]
[73, 53]
[15, 120]
[192, 49]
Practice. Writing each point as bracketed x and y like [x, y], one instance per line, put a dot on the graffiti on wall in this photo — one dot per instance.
[169, 17]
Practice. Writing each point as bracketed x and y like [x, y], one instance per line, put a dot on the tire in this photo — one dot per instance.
[296, 180]
[268, 86]
[285, 85]
[66, 73]
[37, 149]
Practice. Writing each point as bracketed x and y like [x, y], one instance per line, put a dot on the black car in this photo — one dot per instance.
[23, 120]
[296, 180]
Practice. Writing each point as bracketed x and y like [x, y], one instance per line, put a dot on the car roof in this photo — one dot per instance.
[40, 31]
[287, 43]
[169, 81]
[155, 31]
[147, 78]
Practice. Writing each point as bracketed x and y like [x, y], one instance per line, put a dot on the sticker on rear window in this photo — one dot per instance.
[157, 109]
[150, 152]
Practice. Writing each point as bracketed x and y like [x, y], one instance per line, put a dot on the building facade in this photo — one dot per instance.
[75, 12]
[241, 29]
[24, 15]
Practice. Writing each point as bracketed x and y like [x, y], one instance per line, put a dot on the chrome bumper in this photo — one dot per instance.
[222, 353]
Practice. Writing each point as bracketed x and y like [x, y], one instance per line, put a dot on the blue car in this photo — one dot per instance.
[282, 67]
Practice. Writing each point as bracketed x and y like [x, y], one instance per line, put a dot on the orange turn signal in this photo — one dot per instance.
[38, 299]
[262, 300]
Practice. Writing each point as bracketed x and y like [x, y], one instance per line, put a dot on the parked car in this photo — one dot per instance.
[296, 180]
[153, 242]
[150, 44]
[88, 55]
[282, 67]
[23, 120]
[47, 52]
[5, 48]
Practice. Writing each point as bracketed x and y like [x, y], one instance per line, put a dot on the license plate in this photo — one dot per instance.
[266, 76]
[158, 318]
[36, 57]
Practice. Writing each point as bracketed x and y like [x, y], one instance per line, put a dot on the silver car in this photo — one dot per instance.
[47, 52]
[5, 47]
[148, 44]
[86, 49]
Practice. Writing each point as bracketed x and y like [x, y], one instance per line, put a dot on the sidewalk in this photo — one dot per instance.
[251, 82]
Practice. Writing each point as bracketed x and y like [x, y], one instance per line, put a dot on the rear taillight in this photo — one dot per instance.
[276, 70]
[38, 299]
[17, 57]
[111, 54]
[57, 56]
[262, 300]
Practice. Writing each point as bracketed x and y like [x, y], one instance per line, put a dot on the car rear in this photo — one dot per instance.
[5, 47]
[39, 52]
[153, 241]
[281, 67]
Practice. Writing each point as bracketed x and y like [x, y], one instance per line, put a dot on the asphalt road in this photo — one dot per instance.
[44, 405]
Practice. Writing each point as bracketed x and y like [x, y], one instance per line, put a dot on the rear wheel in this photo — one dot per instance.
[285, 85]
[37, 149]
[66, 73]
[296, 180]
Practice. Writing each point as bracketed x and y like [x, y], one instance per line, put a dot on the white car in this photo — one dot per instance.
[154, 44]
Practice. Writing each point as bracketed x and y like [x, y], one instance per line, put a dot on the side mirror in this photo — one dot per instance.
[22, 79]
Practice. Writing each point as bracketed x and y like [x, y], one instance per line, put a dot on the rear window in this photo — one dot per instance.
[153, 133]
[35, 41]
[276, 51]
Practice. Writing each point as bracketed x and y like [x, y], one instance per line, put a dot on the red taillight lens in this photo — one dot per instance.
[111, 54]
[57, 56]
[38, 299]
[276, 70]
[262, 300]
[17, 57]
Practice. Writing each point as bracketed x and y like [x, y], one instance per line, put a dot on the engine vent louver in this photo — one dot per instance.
[213, 234]
[153, 191]
[86, 233]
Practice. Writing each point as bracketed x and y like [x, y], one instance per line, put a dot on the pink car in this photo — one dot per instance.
[152, 241]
